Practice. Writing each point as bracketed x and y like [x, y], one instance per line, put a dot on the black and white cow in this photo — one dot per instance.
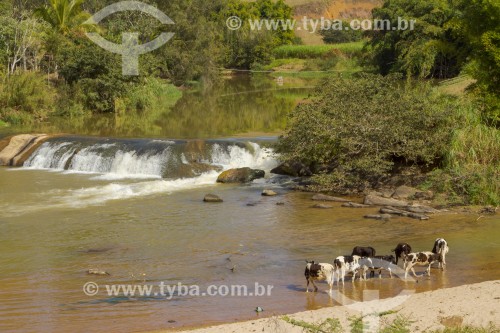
[422, 259]
[441, 247]
[377, 263]
[363, 251]
[319, 272]
[344, 265]
[401, 251]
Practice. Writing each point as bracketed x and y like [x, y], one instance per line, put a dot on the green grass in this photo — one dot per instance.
[3, 124]
[470, 329]
[399, 325]
[316, 51]
[470, 173]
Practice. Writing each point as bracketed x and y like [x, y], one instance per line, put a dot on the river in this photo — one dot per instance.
[132, 206]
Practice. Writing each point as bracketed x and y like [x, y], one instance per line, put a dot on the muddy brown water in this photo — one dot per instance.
[56, 226]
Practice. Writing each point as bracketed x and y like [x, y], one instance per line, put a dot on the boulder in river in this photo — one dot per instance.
[379, 201]
[323, 197]
[294, 169]
[241, 175]
[212, 198]
[269, 193]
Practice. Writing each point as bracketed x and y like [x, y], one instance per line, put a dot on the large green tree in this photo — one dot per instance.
[479, 23]
[432, 49]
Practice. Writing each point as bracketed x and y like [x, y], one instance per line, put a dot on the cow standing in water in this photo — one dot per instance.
[319, 272]
[422, 259]
[401, 251]
[441, 247]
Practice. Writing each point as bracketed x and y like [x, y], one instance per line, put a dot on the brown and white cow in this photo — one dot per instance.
[319, 272]
[422, 259]
[441, 247]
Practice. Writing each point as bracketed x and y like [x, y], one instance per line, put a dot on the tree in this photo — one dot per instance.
[478, 22]
[432, 49]
[64, 15]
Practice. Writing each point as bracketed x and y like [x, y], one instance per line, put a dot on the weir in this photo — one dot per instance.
[137, 158]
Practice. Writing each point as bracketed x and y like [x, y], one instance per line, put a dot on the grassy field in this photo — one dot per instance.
[316, 51]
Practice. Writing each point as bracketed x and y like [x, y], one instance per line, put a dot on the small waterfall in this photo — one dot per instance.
[147, 158]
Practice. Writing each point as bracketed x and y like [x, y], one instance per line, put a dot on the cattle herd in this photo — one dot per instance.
[363, 259]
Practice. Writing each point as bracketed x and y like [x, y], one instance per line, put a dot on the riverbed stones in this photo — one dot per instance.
[212, 198]
[355, 205]
[379, 201]
[394, 211]
[378, 217]
[294, 169]
[269, 193]
[322, 206]
[323, 197]
[241, 175]
[98, 272]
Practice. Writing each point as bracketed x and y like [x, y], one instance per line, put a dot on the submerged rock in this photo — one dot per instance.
[323, 197]
[322, 206]
[269, 193]
[212, 198]
[93, 271]
[378, 217]
[241, 175]
[355, 205]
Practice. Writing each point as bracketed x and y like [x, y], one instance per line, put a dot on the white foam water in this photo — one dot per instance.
[130, 165]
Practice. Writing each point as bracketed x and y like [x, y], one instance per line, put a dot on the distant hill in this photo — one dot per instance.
[330, 9]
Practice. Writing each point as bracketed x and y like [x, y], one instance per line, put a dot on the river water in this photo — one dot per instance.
[133, 208]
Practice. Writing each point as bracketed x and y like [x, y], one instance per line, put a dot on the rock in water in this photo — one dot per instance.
[322, 206]
[212, 198]
[97, 272]
[378, 217]
[241, 175]
[379, 201]
[294, 169]
[269, 193]
[355, 205]
[323, 197]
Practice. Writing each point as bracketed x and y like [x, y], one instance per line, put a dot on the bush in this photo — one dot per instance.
[25, 98]
[354, 130]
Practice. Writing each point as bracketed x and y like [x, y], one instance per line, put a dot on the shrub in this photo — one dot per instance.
[353, 131]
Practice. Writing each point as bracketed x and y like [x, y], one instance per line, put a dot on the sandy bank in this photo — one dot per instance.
[474, 304]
